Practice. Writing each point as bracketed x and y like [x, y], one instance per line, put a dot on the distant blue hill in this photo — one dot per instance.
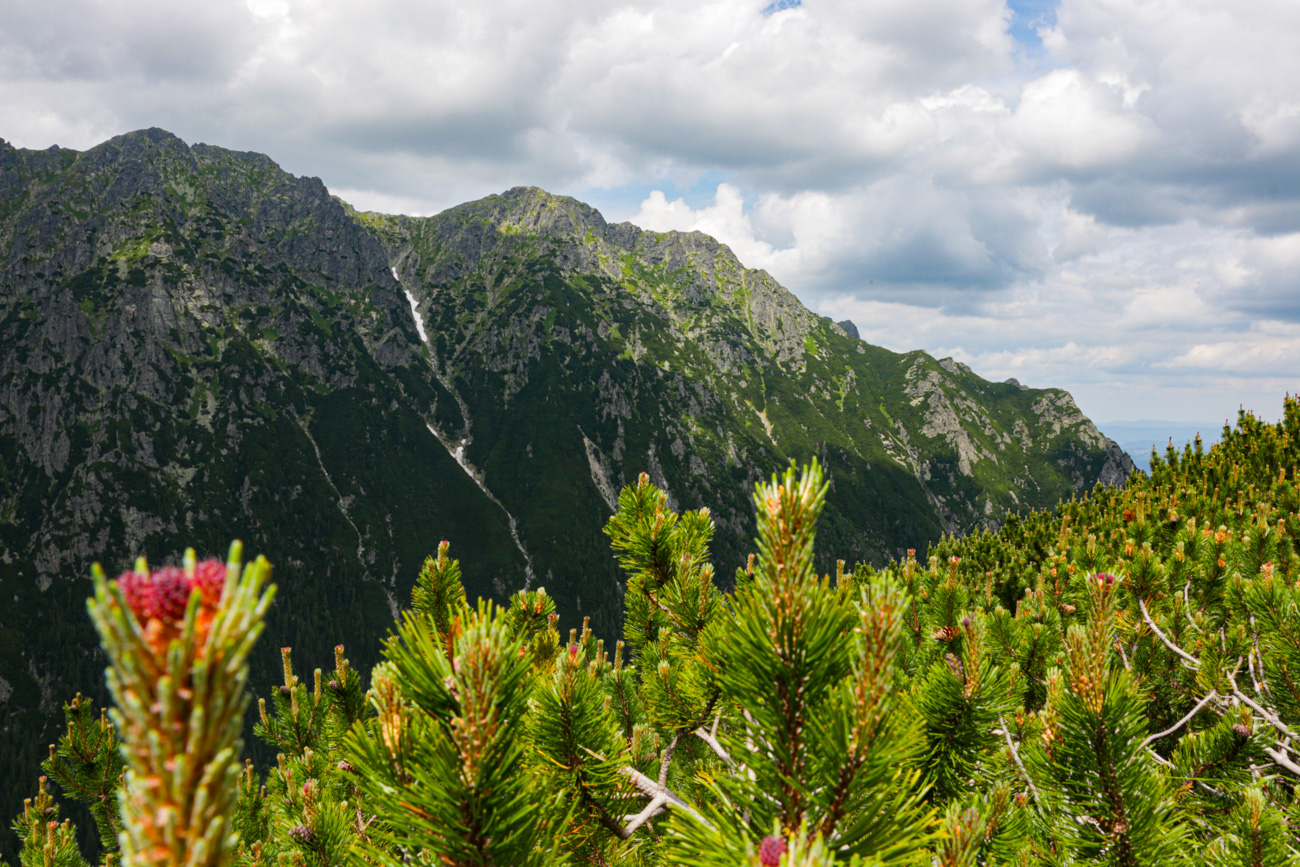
[1138, 437]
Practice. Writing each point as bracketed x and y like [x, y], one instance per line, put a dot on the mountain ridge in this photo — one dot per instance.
[197, 346]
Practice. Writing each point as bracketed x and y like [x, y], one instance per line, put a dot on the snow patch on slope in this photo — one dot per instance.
[457, 451]
[415, 312]
[458, 454]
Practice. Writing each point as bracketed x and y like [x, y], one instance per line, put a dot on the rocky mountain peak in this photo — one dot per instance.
[695, 280]
[534, 211]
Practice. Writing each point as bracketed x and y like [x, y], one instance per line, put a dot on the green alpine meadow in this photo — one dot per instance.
[567, 542]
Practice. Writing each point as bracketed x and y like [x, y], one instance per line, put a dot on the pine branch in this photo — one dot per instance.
[1190, 660]
[1015, 755]
[1182, 722]
[177, 642]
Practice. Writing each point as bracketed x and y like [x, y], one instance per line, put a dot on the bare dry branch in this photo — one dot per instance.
[1282, 760]
[1269, 717]
[652, 809]
[668, 757]
[658, 792]
[1182, 722]
[711, 738]
[1190, 660]
[1015, 755]
[1187, 605]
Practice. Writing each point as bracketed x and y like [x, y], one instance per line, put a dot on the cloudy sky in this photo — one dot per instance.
[1102, 195]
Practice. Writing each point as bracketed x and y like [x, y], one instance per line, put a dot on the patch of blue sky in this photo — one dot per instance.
[777, 5]
[620, 203]
[1027, 16]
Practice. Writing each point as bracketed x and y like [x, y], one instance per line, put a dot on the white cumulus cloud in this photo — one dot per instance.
[1116, 211]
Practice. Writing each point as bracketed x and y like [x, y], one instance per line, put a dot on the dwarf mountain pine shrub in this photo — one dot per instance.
[1115, 682]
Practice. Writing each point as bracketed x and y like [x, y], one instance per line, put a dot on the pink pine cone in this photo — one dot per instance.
[171, 593]
[771, 850]
[137, 590]
[210, 579]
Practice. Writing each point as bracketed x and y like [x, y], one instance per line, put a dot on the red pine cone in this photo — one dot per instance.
[162, 595]
[210, 580]
[138, 593]
[771, 850]
[159, 601]
[171, 593]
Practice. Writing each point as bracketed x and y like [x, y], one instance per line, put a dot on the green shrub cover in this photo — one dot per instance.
[1114, 682]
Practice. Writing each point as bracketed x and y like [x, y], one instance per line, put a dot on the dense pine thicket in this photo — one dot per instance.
[1116, 682]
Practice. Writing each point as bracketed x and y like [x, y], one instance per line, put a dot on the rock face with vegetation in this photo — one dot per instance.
[580, 353]
[197, 346]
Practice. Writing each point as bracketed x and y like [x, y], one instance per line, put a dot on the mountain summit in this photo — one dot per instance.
[611, 350]
[197, 346]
